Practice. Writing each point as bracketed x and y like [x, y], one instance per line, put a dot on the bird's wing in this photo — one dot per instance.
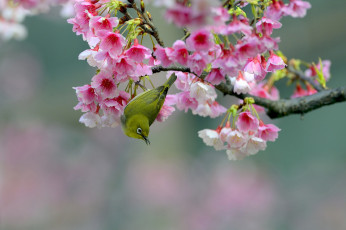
[148, 103]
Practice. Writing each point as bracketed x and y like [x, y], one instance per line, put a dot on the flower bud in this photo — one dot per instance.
[142, 6]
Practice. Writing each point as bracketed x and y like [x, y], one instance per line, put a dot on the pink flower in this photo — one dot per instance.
[211, 138]
[141, 70]
[300, 92]
[164, 113]
[202, 92]
[253, 145]
[235, 139]
[185, 102]
[199, 40]
[217, 109]
[197, 63]
[224, 132]
[85, 94]
[86, 107]
[112, 42]
[256, 67]
[90, 120]
[274, 63]
[215, 76]
[220, 17]
[138, 52]
[266, 25]
[262, 90]
[180, 53]
[211, 109]
[270, 43]
[203, 109]
[153, 61]
[112, 106]
[247, 122]
[183, 80]
[104, 85]
[249, 47]
[167, 108]
[98, 23]
[267, 132]
[179, 15]
[103, 60]
[184, 16]
[235, 154]
[117, 104]
[164, 55]
[110, 120]
[227, 63]
[89, 55]
[84, 11]
[241, 85]
[274, 11]
[237, 26]
[124, 67]
[296, 8]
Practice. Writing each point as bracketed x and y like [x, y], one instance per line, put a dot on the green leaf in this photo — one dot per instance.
[238, 11]
[320, 77]
[254, 2]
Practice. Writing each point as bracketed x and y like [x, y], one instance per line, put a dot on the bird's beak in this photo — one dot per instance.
[146, 140]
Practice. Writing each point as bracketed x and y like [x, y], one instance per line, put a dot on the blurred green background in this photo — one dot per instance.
[57, 174]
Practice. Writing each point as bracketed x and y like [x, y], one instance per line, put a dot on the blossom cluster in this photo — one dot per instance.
[13, 12]
[197, 95]
[319, 73]
[221, 45]
[118, 61]
[247, 137]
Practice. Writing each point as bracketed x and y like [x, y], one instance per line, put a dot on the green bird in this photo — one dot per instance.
[143, 109]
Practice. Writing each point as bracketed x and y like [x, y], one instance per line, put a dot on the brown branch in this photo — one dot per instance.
[300, 105]
[282, 107]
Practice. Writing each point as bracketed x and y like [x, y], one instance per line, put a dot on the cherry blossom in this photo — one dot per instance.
[297, 8]
[104, 85]
[202, 92]
[215, 76]
[266, 25]
[247, 122]
[274, 62]
[200, 40]
[211, 138]
[256, 66]
[268, 132]
[180, 53]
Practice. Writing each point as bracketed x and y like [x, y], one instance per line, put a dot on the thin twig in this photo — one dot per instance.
[300, 74]
[154, 31]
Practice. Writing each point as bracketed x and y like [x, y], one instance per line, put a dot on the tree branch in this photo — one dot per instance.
[300, 105]
[282, 107]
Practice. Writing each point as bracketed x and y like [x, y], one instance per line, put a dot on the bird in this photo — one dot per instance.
[140, 113]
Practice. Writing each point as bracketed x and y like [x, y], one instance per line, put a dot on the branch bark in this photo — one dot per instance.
[282, 107]
[300, 105]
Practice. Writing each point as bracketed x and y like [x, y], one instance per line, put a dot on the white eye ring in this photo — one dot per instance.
[139, 131]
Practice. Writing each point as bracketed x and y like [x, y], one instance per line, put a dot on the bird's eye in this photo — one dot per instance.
[139, 131]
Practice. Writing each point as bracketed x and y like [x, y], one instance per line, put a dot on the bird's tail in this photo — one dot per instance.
[170, 81]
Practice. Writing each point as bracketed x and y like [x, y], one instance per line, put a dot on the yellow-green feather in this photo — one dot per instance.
[148, 103]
